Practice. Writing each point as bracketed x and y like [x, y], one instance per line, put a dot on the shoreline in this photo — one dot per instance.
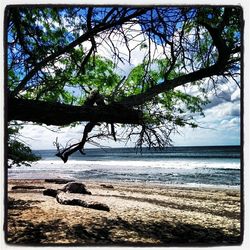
[140, 214]
[150, 183]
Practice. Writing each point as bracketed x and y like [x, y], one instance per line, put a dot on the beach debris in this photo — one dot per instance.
[75, 187]
[72, 187]
[51, 192]
[27, 187]
[59, 181]
[98, 206]
[78, 202]
[107, 186]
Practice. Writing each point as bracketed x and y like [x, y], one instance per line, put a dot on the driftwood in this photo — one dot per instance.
[74, 187]
[58, 181]
[107, 186]
[78, 202]
[27, 187]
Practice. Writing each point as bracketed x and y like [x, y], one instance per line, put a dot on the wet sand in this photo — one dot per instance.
[140, 215]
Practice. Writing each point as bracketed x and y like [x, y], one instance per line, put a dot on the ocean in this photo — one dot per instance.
[213, 166]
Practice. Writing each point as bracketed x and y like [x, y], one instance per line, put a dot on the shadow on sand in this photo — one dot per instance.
[103, 233]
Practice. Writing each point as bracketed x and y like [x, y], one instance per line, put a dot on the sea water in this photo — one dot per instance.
[218, 166]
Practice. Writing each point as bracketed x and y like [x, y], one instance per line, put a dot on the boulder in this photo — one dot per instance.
[75, 187]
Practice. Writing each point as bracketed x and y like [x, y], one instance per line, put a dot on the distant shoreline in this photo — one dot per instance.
[169, 147]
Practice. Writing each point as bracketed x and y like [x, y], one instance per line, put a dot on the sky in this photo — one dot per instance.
[220, 126]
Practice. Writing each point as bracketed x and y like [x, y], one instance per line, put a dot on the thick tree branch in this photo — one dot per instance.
[61, 114]
[135, 100]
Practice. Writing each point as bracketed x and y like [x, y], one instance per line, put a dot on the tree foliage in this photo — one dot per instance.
[18, 153]
[64, 67]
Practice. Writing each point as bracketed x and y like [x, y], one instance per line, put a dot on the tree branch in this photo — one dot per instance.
[64, 155]
[20, 36]
[216, 69]
[62, 114]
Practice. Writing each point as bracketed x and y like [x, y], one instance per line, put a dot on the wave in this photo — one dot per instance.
[167, 163]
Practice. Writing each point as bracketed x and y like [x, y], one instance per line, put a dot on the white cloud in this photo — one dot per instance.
[211, 134]
[236, 95]
[223, 110]
[220, 126]
[42, 137]
[230, 124]
[137, 52]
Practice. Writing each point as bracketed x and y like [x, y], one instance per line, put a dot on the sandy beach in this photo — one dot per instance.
[140, 214]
